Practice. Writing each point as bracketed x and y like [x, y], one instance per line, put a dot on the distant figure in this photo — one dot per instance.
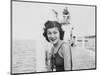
[73, 41]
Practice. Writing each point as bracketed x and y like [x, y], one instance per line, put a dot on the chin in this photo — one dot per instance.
[54, 42]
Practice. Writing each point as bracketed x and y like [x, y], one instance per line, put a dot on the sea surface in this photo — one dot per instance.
[23, 56]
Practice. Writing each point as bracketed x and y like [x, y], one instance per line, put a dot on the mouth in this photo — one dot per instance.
[52, 40]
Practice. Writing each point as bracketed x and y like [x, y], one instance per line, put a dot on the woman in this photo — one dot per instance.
[61, 59]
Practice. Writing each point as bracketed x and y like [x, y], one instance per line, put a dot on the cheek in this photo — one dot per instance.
[58, 34]
[49, 37]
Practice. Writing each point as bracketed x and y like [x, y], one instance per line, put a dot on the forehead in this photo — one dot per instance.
[52, 29]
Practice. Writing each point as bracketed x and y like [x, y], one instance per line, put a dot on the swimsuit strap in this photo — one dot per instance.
[60, 46]
[70, 53]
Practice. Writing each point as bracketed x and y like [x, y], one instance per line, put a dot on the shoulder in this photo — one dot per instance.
[65, 47]
[65, 44]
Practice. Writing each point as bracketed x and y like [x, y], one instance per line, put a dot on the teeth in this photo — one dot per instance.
[52, 39]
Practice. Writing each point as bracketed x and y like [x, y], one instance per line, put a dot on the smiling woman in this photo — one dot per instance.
[61, 23]
[53, 35]
[60, 53]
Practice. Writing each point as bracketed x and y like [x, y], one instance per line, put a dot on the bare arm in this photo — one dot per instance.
[67, 57]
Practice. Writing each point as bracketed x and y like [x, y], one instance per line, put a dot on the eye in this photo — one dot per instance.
[55, 32]
[49, 33]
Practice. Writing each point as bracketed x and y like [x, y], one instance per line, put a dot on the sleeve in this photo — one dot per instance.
[67, 56]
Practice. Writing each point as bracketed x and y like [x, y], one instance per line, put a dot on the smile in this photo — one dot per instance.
[52, 39]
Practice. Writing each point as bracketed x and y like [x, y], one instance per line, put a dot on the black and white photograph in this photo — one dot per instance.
[52, 37]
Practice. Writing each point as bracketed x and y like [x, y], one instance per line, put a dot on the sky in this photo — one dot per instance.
[28, 19]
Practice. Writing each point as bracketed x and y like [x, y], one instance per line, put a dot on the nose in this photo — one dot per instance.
[52, 35]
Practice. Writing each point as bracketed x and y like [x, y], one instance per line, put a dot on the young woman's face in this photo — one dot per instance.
[53, 35]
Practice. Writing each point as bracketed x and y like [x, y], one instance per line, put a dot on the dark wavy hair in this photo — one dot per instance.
[51, 24]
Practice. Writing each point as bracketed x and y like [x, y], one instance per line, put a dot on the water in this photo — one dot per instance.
[83, 58]
[23, 56]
